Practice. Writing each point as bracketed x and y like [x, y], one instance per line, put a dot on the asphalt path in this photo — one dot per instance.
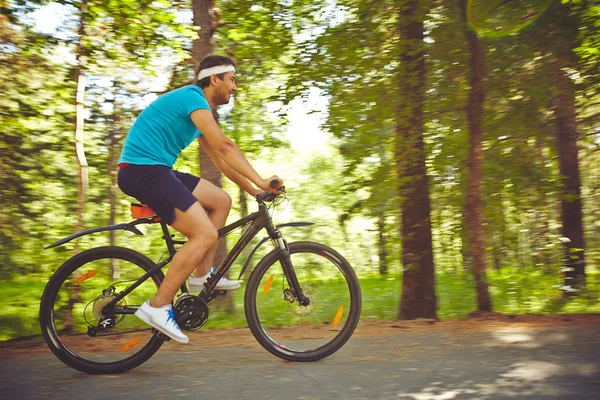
[382, 361]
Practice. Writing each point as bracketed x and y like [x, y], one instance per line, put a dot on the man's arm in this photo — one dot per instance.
[229, 172]
[225, 149]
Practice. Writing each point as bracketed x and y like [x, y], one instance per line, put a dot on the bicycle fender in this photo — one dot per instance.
[292, 224]
[127, 227]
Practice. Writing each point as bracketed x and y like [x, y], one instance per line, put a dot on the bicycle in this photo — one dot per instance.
[304, 289]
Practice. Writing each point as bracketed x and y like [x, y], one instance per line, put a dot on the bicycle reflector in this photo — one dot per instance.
[338, 316]
[131, 344]
[86, 276]
[268, 284]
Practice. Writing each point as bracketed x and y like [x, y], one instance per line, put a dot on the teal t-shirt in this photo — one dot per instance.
[164, 128]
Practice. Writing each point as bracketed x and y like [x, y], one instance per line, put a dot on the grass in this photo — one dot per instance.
[19, 306]
[512, 291]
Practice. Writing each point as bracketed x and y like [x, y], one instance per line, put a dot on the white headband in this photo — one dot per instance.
[219, 69]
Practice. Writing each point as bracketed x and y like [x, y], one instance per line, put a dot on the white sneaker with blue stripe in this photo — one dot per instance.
[196, 285]
[163, 319]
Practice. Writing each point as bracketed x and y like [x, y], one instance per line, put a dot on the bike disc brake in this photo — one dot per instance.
[300, 310]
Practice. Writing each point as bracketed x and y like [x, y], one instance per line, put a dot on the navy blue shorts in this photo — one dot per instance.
[159, 187]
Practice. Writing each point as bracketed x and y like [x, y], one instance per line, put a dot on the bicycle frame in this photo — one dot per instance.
[257, 220]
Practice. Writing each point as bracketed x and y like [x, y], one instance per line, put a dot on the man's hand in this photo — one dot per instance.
[272, 184]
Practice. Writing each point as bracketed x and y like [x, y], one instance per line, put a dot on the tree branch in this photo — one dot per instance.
[588, 118]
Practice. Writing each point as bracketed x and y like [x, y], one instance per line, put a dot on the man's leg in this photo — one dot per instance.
[201, 233]
[217, 205]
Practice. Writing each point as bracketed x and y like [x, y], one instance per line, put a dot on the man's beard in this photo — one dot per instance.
[223, 99]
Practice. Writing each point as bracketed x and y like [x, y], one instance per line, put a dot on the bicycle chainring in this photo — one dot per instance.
[191, 312]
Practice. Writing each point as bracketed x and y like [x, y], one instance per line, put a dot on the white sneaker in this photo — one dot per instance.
[163, 319]
[197, 284]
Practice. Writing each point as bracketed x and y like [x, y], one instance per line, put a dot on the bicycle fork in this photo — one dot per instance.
[288, 270]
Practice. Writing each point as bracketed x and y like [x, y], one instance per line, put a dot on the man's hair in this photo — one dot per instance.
[208, 62]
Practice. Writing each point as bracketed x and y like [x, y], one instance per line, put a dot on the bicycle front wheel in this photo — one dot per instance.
[307, 332]
[71, 317]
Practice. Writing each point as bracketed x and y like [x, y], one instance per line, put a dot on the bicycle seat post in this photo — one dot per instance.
[168, 237]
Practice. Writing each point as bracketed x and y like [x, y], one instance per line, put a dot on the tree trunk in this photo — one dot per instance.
[418, 298]
[243, 200]
[82, 183]
[113, 151]
[79, 77]
[203, 46]
[381, 244]
[465, 249]
[243, 203]
[474, 204]
[202, 17]
[211, 173]
[570, 205]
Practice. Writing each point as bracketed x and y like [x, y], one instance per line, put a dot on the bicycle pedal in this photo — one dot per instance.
[160, 335]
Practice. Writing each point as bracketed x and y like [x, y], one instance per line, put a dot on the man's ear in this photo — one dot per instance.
[213, 79]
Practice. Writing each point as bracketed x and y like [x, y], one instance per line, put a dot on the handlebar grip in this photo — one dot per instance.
[274, 183]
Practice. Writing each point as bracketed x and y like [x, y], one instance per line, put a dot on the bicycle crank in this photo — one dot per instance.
[191, 312]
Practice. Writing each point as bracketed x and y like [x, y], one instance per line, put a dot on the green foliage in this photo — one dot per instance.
[34, 114]
[513, 291]
[501, 18]
[348, 53]
[39, 172]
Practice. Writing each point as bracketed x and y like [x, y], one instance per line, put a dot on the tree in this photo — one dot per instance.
[473, 203]
[418, 299]
[79, 77]
[371, 65]
[564, 22]
[32, 110]
[203, 46]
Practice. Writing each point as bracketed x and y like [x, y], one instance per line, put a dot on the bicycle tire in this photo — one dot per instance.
[47, 311]
[266, 340]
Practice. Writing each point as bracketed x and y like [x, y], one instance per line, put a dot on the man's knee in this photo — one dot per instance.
[212, 197]
[210, 236]
[220, 202]
[225, 201]
[205, 233]
[204, 240]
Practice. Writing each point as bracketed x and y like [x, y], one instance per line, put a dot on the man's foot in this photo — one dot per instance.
[197, 284]
[163, 319]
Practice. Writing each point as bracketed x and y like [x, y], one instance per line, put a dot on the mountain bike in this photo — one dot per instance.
[302, 300]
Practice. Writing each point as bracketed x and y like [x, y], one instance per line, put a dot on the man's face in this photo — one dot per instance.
[225, 88]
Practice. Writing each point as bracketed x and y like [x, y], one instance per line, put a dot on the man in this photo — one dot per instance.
[192, 206]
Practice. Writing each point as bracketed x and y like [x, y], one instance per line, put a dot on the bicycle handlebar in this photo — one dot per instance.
[268, 196]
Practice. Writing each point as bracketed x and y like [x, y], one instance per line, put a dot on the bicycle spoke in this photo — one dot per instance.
[79, 305]
[74, 316]
[288, 327]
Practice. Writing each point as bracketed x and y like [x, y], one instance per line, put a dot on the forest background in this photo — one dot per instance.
[449, 151]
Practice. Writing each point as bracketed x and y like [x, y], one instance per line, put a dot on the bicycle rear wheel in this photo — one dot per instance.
[303, 333]
[72, 305]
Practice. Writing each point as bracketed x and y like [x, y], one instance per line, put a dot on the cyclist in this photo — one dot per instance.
[192, 206]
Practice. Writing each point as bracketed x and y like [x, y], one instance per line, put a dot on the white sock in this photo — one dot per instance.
[202, 277]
